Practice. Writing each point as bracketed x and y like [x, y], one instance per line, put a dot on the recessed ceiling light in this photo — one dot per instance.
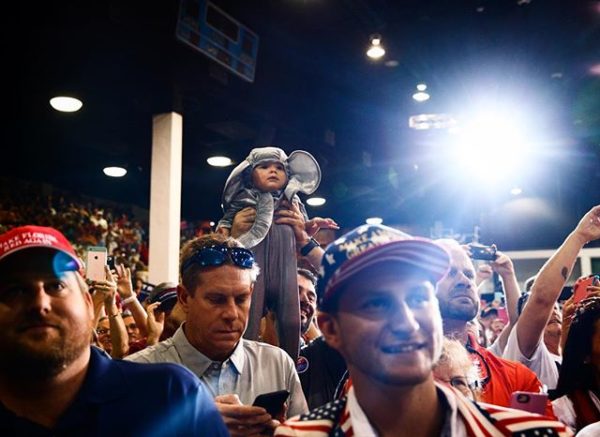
[376, 50]
[315, 201]
[115, 172]
[421, 87]
[219, 161]
[66, 104]
[516, 191]
[374, 221]
[420, 96]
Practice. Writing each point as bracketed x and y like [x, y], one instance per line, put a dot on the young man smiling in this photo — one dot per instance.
[380, 311]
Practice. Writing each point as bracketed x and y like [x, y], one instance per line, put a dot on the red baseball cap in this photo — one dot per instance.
[27, 237]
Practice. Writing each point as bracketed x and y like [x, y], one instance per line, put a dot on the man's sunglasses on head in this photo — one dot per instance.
[217, 254]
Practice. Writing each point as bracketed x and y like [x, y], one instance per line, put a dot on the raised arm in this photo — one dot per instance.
[129, 299]
[550, 281]
[503, 265]
[304, 231]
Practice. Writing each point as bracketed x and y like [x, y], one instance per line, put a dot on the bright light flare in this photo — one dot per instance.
[315, 201]
[491, 147]
[515, 191]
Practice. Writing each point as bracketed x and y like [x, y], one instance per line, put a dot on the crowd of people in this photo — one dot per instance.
[392, 335]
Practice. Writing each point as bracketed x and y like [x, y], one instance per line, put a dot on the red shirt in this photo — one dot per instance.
[502, 377]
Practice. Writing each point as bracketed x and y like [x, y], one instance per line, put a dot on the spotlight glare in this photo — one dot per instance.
[315, 201]
[421, 87]
[491, 147]
[219, 161]
[66, 104]
[115, 172]
[374, 221]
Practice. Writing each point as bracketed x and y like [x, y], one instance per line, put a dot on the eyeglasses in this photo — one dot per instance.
[217, 254]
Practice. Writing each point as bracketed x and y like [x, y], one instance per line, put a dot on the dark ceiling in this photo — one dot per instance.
[315, 90]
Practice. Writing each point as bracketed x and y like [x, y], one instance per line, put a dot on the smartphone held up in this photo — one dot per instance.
[96, 257]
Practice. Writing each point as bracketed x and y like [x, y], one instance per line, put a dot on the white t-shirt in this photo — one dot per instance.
[542, 362]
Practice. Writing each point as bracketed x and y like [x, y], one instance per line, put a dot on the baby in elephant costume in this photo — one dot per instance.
[263, 180]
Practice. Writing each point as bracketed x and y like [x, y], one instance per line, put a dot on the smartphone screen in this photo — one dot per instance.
[95, 262]
[580, 288]
[272, 402]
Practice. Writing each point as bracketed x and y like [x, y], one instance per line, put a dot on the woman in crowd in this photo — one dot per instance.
[456, 369]
[578, 389]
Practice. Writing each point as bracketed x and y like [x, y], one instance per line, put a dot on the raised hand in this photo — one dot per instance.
[588, 228]
[155, 323]
[313, 225]
[123, 280]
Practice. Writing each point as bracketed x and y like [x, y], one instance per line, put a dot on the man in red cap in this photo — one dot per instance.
[380, 311]
[52, 381]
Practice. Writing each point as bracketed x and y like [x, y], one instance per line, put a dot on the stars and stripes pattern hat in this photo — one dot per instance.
[369, 245]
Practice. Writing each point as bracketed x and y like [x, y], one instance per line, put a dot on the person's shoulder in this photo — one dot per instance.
[162, 371]
[265, 349]
[316, 344]
[158, 353]
[513, 422]
[322, 420]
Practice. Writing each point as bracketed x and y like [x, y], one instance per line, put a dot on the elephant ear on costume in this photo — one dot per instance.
[304, 174]
[234, 183]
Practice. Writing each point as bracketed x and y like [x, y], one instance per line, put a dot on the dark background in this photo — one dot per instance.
[314, 83]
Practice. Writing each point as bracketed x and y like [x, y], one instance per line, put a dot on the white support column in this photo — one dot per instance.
[165, 198]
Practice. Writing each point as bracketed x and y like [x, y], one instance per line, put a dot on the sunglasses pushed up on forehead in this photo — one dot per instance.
[218, 254]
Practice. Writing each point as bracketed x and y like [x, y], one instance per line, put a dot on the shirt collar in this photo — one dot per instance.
[199, 363]
[103, 380]
[452, 426]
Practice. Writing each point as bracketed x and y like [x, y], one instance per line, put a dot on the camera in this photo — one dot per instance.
[485, 253]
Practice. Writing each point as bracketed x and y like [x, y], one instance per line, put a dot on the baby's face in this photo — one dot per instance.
[269, 176]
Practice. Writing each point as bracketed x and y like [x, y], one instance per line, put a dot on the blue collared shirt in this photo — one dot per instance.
[122, 398]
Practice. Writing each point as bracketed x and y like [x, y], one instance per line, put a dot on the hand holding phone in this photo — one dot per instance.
[529, 401]
[580, 291]
[485, 253]
[95, 261]
[273, 402]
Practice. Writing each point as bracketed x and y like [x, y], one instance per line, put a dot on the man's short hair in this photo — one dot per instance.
[191, 275]
[308, 275]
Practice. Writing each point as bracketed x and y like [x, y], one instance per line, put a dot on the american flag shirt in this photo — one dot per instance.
[476, 420]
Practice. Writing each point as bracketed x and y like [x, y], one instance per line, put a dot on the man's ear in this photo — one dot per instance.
[87, 297]
[330, 329]
[182, 297]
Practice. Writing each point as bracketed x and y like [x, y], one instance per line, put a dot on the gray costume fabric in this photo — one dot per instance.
[274, 245]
